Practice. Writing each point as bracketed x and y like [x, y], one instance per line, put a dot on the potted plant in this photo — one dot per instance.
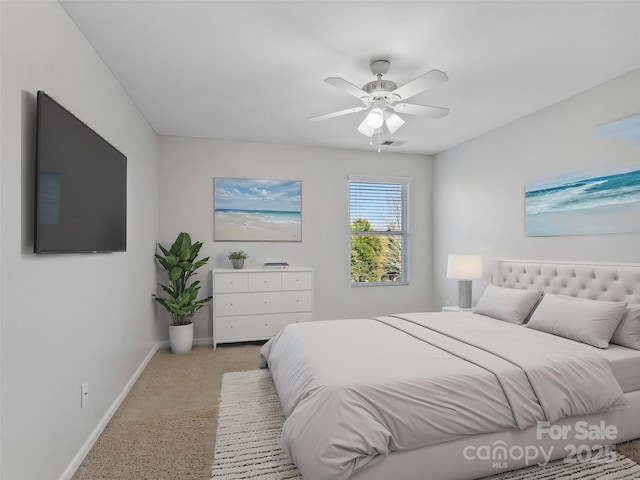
[179, 262]
[237, 258]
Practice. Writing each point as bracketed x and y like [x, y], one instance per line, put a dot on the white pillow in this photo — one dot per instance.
[628, 332]
[508, 304]
[587, 321]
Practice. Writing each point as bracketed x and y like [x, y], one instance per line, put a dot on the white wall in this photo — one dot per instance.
[188, 166]
[66, 318]
[479, 186]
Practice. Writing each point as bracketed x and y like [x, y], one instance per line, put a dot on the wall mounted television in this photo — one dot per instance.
[81, 186]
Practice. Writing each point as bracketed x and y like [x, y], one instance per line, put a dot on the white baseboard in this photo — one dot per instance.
[196, 341]
[86, 447]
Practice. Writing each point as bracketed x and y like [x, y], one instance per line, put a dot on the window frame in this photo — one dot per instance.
[404, 232]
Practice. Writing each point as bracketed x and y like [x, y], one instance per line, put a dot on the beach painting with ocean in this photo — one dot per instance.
[254, 210]
[585, 203]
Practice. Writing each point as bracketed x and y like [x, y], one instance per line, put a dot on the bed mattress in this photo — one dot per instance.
[625, 363]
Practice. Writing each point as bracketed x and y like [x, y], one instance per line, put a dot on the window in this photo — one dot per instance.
[379, 230]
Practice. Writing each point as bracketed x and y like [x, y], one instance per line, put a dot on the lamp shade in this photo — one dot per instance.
[464, 267]
[375, 118]
[393, 122]
[365, 129]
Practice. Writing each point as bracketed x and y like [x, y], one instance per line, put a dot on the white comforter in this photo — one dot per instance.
[353, 390]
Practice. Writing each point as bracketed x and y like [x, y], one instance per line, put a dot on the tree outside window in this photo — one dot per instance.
[378, 232]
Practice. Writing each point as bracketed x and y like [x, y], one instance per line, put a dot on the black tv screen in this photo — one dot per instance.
[81, 186]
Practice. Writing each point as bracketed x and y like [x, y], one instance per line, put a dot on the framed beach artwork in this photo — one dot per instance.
[584, 203]
[254, 210]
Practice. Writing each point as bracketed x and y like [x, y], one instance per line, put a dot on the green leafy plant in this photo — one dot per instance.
[179, 262]
[237, 255]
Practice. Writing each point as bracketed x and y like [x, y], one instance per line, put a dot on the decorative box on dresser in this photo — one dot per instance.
[256, 303]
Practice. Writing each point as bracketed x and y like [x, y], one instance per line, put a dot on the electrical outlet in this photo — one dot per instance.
[84, 394]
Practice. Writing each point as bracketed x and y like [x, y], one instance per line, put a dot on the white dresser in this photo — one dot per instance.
[256, 303]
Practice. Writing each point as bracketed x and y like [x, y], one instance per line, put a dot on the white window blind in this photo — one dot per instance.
[378, 230]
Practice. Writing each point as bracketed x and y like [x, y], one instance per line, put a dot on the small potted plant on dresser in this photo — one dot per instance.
[237, 258]
[180, 264]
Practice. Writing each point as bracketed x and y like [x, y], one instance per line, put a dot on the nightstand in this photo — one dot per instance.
[456, 309]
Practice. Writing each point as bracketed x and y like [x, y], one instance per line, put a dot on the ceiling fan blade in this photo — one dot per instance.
[393, 122]
[420, 84]
[338, 114]
[348, 87]
[425, 110]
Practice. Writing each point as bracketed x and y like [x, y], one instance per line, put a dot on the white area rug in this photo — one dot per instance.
[248, 442]
[249, 438]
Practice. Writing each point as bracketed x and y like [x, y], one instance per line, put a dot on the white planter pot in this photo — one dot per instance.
[181, 338]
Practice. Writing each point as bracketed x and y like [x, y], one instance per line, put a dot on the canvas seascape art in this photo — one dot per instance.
[257, 210]
[584, 204]
[627, 128]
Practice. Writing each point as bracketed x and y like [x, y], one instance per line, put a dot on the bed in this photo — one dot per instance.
[463, 395]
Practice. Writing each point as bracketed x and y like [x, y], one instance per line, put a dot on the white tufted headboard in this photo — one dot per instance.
[618, 283]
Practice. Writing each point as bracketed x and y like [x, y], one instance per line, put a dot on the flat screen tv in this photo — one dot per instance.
[81, 186]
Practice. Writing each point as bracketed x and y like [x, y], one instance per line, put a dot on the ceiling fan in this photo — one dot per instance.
[382, 97]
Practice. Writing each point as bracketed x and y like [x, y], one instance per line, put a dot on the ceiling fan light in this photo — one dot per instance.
[365, 129]
[375, 118]
[393, 123]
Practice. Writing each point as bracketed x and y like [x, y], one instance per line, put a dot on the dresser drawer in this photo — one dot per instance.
[296, 280]
[265, 282]
[230, 282]
[255, 327]
[294, 301]
[228, 304]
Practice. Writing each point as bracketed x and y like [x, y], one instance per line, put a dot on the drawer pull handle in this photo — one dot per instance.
[265, 281]
[266, 324]
[231, 304]
[265, 302]
[297, 300]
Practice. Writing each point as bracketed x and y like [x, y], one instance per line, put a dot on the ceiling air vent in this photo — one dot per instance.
[392, 143]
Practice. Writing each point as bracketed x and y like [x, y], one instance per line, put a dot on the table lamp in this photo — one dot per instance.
[464, 268]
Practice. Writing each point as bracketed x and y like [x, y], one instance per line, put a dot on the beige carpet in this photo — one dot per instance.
[165, 429]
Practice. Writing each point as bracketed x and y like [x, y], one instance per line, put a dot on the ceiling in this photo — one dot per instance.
[254, 71]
